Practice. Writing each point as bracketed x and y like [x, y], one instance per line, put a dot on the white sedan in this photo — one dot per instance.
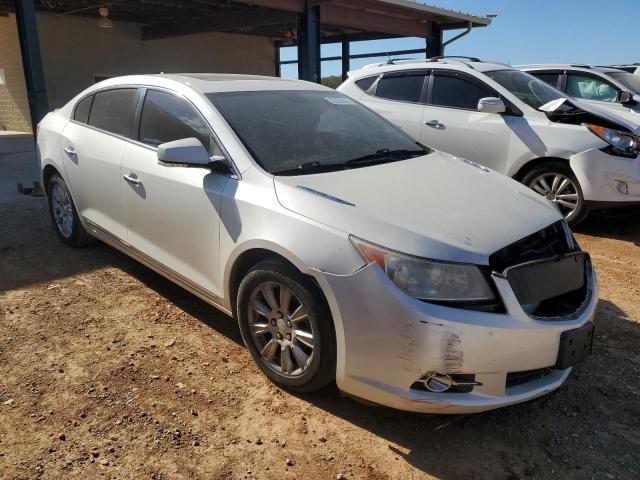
[345, 250]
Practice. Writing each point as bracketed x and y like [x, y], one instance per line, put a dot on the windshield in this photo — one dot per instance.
[527, 88]
[294, 132]
[629, 80]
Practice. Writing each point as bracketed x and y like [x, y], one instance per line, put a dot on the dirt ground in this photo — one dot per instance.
[107, 370]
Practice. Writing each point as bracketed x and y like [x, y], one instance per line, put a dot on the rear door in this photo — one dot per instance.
[93, 145]
[173, 212]
[399, 97]
[452, 123]
[552, 77]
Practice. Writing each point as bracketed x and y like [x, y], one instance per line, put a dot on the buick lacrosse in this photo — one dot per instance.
[345, 250]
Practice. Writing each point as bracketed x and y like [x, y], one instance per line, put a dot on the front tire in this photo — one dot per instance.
[557, 182]
[64, 215]
[286, 326]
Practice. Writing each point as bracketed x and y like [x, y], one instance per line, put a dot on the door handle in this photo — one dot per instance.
[435, 124]
[70, 151]
[132, 180]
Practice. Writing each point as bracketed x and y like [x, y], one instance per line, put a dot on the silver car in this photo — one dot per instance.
[345, 250]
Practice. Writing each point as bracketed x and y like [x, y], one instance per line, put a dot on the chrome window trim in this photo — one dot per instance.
[236, 175]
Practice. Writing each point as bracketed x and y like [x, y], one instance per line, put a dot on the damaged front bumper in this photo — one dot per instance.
[607, 179]
[387, 341]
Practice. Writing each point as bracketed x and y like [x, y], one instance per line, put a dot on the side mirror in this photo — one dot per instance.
[628, 98]
[491, 105]
[186, 152]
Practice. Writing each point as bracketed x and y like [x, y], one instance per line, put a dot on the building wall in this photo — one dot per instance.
[14, 107]
[75, 49]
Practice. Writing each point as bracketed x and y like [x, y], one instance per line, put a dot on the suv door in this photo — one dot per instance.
[589, 87]
[93, 144]
[552, 77]
[399, 97]
[173, 212]
[452, 123]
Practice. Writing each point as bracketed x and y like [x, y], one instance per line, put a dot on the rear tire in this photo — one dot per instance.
[286, 326]
[64, 215]
[557, 182]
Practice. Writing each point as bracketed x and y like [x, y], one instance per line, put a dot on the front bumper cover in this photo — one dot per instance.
[388, 340]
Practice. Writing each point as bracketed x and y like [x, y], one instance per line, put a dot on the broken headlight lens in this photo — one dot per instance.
[428, 279]
[621, 143]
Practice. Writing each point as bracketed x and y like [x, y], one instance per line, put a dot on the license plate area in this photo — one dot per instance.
[575, 346]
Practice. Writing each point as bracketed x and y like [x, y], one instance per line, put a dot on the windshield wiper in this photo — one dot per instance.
[381, 156]
[386, 155]
[310, 167]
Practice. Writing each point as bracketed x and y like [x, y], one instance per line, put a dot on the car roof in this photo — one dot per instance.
[576, 66]
[212, 82]
[412, 64]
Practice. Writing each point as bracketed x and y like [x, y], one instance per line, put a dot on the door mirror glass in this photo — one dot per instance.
[186, 152]
[628, 98]
[491, 105]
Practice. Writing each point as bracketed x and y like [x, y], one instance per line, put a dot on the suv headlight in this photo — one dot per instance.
[622, 143]
[429, 279]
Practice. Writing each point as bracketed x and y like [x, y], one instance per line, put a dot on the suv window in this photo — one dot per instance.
[548, 77]
[457, 90]
[365, 83]
[113, 110]
[405, 88]
[590, 87]
[166, 118]
[81, 113]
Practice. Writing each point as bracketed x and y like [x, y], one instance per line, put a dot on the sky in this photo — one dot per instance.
[525, 31]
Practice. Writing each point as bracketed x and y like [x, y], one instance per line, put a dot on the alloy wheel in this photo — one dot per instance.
[559, 189]
[62, 210]
[281, 329]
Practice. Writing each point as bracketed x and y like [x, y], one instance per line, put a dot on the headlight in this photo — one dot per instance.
[622, 143]
[428, 279]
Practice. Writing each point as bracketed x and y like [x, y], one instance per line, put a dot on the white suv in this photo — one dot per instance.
[606, 87]
[577, 155]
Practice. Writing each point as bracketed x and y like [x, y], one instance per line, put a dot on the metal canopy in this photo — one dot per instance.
[302, 23]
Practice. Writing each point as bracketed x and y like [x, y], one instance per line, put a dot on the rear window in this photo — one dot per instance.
[405, 88]
[365, 83]
[81, 113]
[547, 77]
[113, 110]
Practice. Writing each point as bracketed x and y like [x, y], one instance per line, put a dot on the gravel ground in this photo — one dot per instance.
[107, 370]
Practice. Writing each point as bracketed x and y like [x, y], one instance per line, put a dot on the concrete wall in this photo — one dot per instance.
[14, 107]
[74, 49]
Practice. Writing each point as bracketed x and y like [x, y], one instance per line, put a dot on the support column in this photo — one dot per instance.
[276, 58]
[434, 40]
[31, 60]
[309, 44]
[345, 56]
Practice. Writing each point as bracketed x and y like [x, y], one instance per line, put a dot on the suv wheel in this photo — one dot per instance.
[556, 182]
[64, 214]
[286, 326]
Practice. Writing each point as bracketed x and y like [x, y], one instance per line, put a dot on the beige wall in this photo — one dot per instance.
[14, 107]
[74, 49]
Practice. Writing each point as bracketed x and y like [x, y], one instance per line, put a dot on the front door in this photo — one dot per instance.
[173, 213]
[452, 123]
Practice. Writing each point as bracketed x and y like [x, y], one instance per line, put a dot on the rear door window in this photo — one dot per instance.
[113, 110]
[166, 118]
[403, 87]
[456, 90]
[552, 78]
[590, 87]
[81, 113]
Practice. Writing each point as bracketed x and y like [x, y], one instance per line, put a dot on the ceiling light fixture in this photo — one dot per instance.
[104, 21]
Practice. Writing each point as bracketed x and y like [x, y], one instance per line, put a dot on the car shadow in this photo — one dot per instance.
[615, 224]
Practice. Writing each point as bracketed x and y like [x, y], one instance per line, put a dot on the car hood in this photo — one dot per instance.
[436, 206]
[616, 113]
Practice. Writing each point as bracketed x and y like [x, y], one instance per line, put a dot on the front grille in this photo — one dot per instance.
[518, 378]
[546, 243]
